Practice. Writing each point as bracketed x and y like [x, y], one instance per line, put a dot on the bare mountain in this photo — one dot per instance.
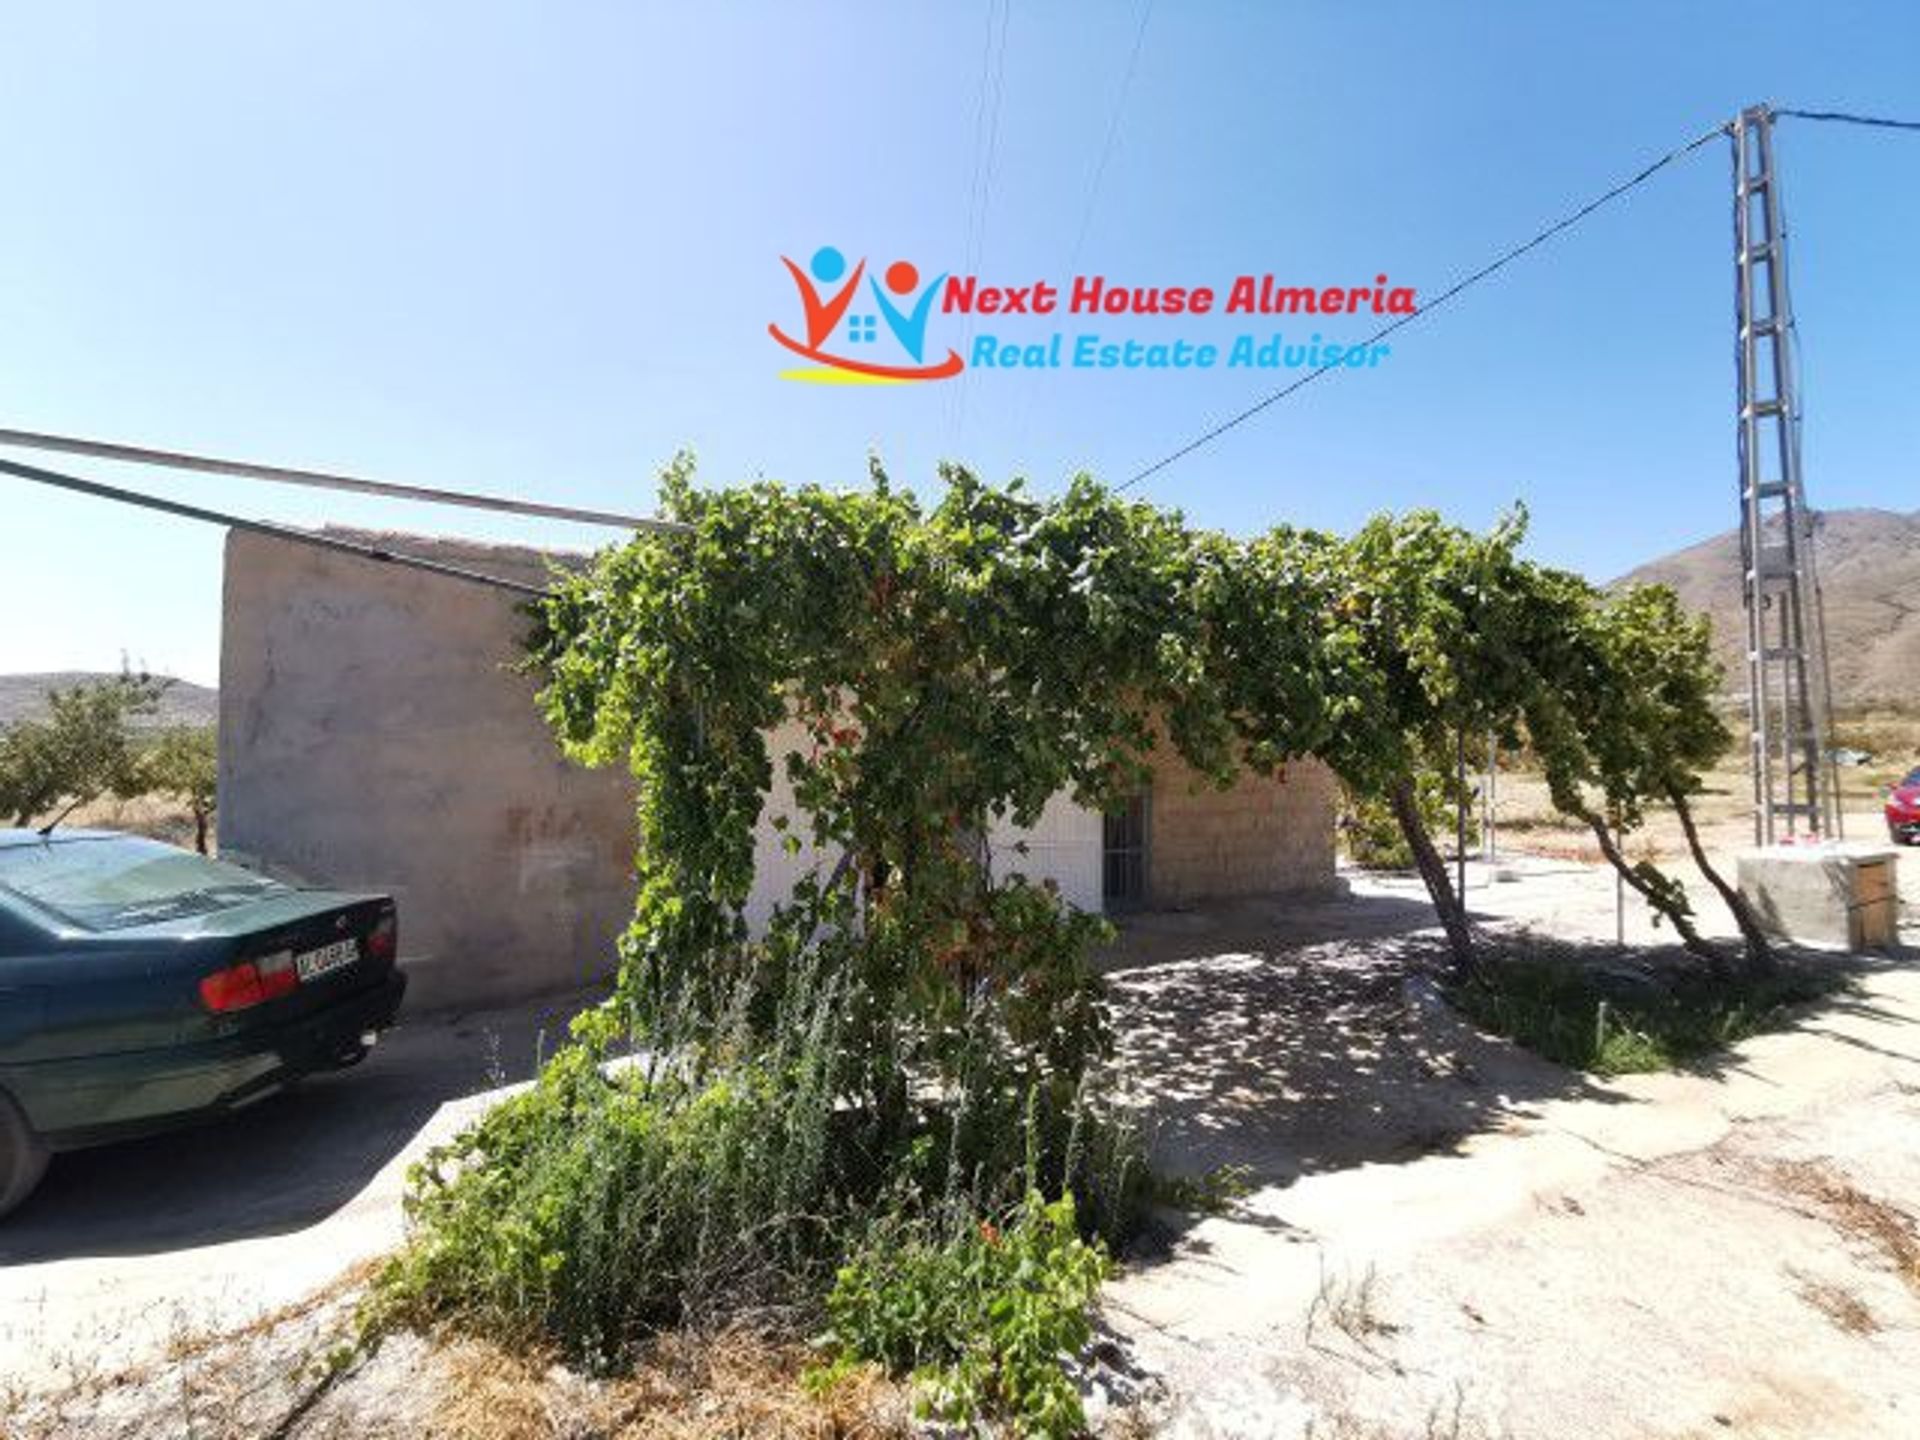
[25, 696]
[1869, 562]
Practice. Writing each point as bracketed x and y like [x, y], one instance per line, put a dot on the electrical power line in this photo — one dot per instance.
[1030, 398]
[324, 480]
[1877, 122]
[1113, 135]
[1566, 222]
[986, 144]
[262, 527]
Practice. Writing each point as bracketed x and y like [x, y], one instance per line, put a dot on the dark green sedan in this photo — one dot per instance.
[142, 985]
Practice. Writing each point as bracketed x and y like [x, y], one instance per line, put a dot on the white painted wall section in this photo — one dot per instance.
[1063, 846]
[775, 871]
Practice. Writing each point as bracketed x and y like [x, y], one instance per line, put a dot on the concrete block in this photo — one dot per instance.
[1837, 896]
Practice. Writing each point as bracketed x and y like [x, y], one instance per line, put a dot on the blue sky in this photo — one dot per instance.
[534, 250]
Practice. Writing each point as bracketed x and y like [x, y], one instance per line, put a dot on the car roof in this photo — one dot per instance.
[11, 838]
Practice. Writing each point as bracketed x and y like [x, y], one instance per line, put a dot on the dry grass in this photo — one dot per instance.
[156, 816]
[1445, 1420]
[1885, 1228]
[1528, 822]
[288, 1375]
[1349, 1303]
[717, 1387]
[1846, 1310]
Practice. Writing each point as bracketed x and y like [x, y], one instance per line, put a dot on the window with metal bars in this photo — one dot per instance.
[1123, 869]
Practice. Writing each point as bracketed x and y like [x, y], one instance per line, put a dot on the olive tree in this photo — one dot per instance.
[82, 748]
[182, 761]
[1630, 719]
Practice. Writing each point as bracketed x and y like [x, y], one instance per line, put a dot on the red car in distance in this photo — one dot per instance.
[1903, 810]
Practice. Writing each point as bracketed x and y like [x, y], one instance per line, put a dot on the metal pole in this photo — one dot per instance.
[1460, 816]
[1789, 700]
[1619, 895]
[1487, 848]
[263, 527]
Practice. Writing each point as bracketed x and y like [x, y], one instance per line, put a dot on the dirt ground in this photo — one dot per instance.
[159, 816]
[1525, 820]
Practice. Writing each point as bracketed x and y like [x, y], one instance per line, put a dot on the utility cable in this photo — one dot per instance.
[325, 480]
[1876, 122]
[986, 140]
[1573, 218]
[264, 527]
[1113, 136]
[1030, 397]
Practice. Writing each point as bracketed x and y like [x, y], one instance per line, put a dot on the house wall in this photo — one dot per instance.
[1062, 845]
[1262, 836]
[775, 870]
[373, 735]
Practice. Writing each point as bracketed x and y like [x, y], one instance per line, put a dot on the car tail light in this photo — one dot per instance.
[250, 983]
[383, 941]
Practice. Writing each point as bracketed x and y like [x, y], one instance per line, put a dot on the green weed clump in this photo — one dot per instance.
[1563, 1011]
[597, 1209]
[980, 1313]
[733, 1176]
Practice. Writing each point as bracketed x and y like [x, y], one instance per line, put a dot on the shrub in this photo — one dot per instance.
[1564, 1011]
[613, 1200]
[980, 1313]
[597, 1208]
[1374, 838]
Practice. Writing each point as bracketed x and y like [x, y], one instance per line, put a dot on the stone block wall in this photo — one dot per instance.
[1262, 836]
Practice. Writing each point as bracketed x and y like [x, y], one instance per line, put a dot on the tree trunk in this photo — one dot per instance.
[1695, 942]
[1433, 870]
[200, 830]
[1759, 949]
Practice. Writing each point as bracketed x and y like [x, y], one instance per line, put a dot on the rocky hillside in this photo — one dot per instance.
[185, 703]
[1870, 576]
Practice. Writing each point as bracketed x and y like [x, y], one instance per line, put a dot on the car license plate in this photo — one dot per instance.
[312, 964]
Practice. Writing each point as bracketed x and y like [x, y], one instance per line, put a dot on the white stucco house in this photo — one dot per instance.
[373, 733]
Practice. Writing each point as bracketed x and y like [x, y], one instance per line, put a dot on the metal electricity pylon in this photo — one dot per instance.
[1789, 704]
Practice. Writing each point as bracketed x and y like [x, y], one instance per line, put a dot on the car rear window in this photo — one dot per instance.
[115, 884]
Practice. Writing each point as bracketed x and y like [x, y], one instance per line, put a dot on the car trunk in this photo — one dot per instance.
[140, 988]
[328, 938]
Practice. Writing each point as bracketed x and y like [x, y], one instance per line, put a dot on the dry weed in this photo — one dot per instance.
[715, 1387]
[207, 1383]
[1846, 1310]
[1349, 1304]
[1853, 1212]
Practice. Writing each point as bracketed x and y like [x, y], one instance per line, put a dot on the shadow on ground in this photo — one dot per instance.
[1289, 1037]
[1255, 1040]
[287, 1162]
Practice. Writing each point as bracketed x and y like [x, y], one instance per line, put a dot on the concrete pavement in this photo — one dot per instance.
[129, 1249]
